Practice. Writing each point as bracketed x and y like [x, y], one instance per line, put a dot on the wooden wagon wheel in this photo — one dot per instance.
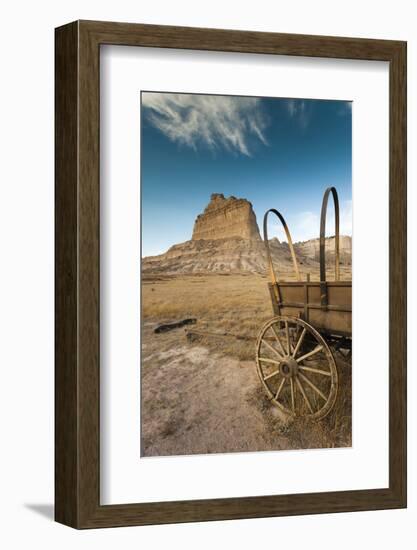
[296, 368]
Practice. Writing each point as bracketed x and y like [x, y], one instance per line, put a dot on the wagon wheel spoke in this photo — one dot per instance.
[306, 399]
[271, 375]
[313, 386]
[300, 341]
[287, 333]
[292, 395]
[316, 350]
[272, 349]
[317, 371]
[278, 339]
[280, 388]
[266, 360]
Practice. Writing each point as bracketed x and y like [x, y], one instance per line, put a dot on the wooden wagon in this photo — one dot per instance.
[312, 319]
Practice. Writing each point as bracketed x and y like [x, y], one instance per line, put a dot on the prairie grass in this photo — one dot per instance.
[205, 295]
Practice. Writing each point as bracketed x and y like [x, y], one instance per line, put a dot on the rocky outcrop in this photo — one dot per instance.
[226, 218]
[311, 249]
[233, 255]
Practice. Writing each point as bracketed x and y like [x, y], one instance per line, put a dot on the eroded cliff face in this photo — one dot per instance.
[311, 249]
[228, 255]
[225, 218]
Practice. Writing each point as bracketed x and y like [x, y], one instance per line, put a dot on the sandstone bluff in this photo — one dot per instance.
[226, 239]
[226, 218]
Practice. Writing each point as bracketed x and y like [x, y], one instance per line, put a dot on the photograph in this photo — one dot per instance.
[246, 273]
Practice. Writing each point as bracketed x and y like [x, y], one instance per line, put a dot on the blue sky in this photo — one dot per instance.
[275, 152]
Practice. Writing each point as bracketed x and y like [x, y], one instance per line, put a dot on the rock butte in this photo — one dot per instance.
[226, 218]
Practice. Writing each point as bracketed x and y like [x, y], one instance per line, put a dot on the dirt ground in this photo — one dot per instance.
[204, 396]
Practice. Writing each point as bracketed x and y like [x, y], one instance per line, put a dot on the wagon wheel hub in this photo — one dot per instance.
[289, 367]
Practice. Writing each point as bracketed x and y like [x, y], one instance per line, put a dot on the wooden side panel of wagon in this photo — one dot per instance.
[303, 299]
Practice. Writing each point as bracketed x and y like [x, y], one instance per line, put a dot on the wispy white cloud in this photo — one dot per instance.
[299, 110]
[216, 122]
[306, 225]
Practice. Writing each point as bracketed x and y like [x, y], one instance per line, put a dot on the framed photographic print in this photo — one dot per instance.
[230, 274]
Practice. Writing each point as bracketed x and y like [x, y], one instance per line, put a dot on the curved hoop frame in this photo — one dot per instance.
[333, 191]
[291, 247]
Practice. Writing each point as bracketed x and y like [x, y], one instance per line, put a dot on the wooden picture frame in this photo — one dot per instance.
[77, 374]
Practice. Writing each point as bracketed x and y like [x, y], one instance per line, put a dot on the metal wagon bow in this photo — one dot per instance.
[294, 358]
